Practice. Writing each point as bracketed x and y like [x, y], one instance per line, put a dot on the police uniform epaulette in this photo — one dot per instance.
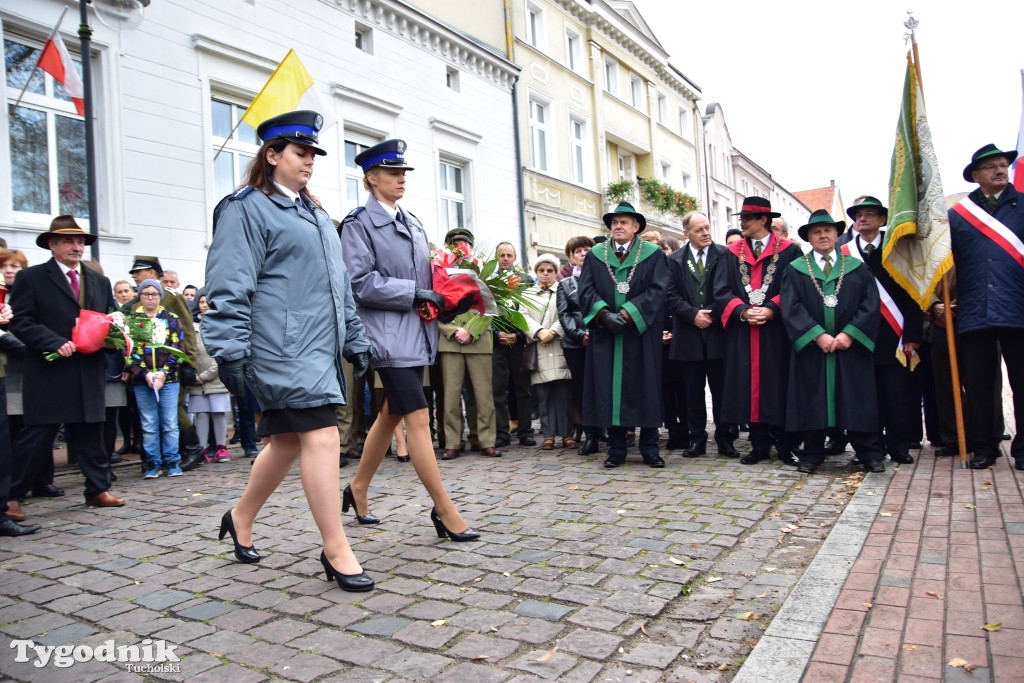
[240, 192]
[355, 212]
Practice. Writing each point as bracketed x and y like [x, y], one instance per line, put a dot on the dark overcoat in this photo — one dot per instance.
[686, 287]
[623, 371]
[830, 389]
[756, 356]
[45, 309]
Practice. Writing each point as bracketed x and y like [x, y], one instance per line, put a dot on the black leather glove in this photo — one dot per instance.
[614, 322]
[360, 364]
[232, 375]
[428, 295]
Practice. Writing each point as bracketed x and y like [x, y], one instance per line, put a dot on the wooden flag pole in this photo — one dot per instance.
[954, 370]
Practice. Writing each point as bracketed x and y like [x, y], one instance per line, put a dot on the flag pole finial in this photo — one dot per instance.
[911, 23]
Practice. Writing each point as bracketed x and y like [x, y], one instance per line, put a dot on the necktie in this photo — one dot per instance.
[73, 276]
[828, 264]
[622, 249]
[868, 249]
[757, 248]
[700, 262]
[298, 202]
[993, 201]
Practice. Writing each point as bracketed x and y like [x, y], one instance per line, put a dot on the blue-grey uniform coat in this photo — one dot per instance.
[280, 296]
[388, 261]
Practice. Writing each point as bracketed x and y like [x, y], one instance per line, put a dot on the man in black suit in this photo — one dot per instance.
[70, 389]
[697, 337]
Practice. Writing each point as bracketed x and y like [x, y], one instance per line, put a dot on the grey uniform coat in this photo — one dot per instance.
[280, 296]
[388, 261]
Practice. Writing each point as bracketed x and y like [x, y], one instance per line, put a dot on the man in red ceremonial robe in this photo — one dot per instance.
[746, 295]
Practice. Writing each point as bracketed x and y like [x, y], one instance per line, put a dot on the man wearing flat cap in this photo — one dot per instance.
[987, 235]
[746, 295]
[899, 334]
[149, 268]
[69, 390]
[830, 310]
[622, 295]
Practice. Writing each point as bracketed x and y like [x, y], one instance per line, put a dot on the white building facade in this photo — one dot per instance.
[169, 93]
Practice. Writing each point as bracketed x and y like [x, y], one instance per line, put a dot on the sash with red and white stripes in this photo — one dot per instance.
[990, 226]
[890, 311]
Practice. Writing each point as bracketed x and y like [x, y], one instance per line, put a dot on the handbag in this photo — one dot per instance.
[529, 361]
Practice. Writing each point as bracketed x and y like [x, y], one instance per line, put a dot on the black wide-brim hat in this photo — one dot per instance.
[757, 206]
[301, 127]
[821, 217]
[866, 202]
[63, 226]
[627, 209]
[985, 152]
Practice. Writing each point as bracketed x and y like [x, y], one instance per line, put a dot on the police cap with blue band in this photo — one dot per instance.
[301, 127]
[389, 154]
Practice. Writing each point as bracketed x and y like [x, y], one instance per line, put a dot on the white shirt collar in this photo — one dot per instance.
[64, 269]
[694, 250]
[616, 246]
[391, 212]
[287, 193]
[834, 255]
[877, 242]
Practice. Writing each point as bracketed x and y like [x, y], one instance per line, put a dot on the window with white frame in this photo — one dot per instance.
[627, 162]
[451, 78]
[234, 144]
[687, 180]
[535, 25]
[573, 50]
[46, 138]
[662, 108]
[355, 194]
[364, 38]
[684, 123]
[611, 76]
[452, 196]
[540, 133]
[578, 148]
[666, 172]
[636, 91]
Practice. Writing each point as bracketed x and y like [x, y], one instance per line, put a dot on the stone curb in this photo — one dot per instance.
[787, 645]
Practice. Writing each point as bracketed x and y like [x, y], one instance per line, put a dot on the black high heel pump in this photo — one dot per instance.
[348, 500]
[243, 553]
[442, 530]
[353, 583]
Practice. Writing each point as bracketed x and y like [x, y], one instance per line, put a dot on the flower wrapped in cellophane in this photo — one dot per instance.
[468, 284]
[94, 331]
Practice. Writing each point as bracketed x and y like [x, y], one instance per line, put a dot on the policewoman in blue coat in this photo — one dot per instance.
[281, 318]
[388, 255]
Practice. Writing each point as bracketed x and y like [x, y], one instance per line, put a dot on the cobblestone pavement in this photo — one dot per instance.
[582, 573]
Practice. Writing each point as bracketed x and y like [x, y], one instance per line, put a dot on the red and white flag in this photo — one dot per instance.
[56, 61]
[1017, 173]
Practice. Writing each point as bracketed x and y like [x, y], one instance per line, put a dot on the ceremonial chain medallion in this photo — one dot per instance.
[831, 300]
[757, 296]
[622, 287]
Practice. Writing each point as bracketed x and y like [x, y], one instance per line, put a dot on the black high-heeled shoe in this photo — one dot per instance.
[442, 530]
[353, 583]
[348, 500]
[243, 553]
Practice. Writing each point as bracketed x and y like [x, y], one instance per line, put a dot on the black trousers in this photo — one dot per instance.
[979, 353]
[868, 446]
[695, 375]
[899, 405]
[6, 459]
[673, 397]
[506, 377]
[87, 438]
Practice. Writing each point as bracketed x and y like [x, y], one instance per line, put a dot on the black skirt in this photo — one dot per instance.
[403, 389]
[293, 420]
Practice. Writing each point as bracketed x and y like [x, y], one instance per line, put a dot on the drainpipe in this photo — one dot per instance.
[515, 132]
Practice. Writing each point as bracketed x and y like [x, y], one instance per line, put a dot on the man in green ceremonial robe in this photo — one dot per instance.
[622, 293]
[830, 306]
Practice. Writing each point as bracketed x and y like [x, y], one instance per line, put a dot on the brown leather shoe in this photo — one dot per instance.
[492, 452]
[105, 500]
[14, 511]
[449, 454]
[548, 445]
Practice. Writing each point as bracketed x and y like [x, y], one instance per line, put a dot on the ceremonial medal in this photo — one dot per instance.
[831, 300]
[623, 287]
[756, 297]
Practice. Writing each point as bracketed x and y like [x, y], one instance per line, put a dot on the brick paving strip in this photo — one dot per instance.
[633, 574]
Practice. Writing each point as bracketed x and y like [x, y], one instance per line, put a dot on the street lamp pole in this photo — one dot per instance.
[85, 34]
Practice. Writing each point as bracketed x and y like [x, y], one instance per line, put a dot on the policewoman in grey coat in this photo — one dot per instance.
[281, 318]
[387, 253]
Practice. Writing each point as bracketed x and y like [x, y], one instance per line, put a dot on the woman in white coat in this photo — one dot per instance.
[551, 379]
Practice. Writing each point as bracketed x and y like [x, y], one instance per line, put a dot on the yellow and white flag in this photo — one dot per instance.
[290, 87]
